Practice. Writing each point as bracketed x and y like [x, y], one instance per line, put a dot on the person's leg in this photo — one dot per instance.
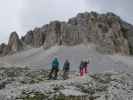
[64, 75]
[67, 74]
[56, 73]
[81, 72]
[51, 72]
[86, 70]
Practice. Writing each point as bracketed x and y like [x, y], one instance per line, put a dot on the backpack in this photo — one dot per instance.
[66, 66]
[55, 64]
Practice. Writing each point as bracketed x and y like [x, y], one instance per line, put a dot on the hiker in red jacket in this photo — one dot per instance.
[84, 67]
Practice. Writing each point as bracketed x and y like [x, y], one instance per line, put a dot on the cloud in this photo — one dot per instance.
[123, 8]
[23, 15]
[39, 12]
[9, 11]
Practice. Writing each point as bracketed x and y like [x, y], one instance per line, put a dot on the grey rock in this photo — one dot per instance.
[35, 38]
[38, 37]
[14, 43]
[3, 49]
[28, 38]
[2, 46]
[53, 34]
[108, 31]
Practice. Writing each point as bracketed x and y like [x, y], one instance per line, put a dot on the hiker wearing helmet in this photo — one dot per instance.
[55, 69]
[66, 69]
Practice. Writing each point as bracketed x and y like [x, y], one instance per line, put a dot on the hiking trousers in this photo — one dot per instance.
[55, 72]
[65, 75]
[81, 71]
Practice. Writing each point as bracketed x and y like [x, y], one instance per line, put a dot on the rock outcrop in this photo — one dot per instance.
[105, 30]
[34, 38]
[108, 31]
[28, 38]
[14, 45]
[3, 49]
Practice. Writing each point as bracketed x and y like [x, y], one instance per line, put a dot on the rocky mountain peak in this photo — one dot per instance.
[14, 42]
[108, 31]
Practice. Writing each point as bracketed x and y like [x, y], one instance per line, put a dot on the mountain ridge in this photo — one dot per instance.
[108, 31]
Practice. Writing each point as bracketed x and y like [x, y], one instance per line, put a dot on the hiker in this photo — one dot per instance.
[66, 69]
[55, 69]
[84, 67]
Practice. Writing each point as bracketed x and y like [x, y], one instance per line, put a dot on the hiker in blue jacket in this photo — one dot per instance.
[55, 69]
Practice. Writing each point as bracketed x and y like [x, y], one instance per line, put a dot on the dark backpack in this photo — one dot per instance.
[66, 66]
[85, 64]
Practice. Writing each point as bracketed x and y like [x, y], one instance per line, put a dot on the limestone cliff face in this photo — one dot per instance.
[34, 38]
[14, 43]
[107, 31]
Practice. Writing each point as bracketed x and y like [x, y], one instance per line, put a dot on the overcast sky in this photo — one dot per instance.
[23, 15]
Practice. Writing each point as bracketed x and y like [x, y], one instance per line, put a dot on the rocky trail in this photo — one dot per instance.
[38, 58]
[103, 39]
[94, 86]
[23, 76]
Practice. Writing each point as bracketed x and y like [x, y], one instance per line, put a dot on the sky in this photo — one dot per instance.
[24, 15]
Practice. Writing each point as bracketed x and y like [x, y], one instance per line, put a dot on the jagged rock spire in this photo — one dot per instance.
[14, 43]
